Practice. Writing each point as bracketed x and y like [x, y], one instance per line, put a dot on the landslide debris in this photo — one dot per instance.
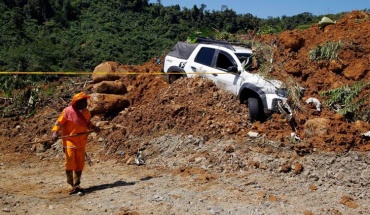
[196, 107]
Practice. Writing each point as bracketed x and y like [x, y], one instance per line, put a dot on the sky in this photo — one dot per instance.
[275, 8]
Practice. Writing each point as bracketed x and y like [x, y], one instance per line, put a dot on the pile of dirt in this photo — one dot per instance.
[196, 106]
[292, 60]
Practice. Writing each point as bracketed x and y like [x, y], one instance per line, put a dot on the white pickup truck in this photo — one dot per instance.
[225, 65]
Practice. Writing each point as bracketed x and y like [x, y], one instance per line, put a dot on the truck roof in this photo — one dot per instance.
[183, 50]
[240, 49]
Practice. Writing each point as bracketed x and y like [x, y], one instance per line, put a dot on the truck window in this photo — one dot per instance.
[247, 57]
[223, 61]
[205, 56]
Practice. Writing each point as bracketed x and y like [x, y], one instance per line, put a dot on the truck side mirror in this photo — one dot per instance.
[232, 69]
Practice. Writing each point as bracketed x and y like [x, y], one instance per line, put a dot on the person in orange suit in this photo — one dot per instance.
[74, 121]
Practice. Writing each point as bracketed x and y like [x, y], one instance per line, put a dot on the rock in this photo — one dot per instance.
[102, 123]
[38, 147]
[229, 149]
[339, 175]
[253, 134]
[103, 103]
[348, 201]
[107, 71]
[356, 71]
[6, 210]
[316, 127]
[285, 168]
[365, 174]
[110, 87]
[199, 159]
[298, 168]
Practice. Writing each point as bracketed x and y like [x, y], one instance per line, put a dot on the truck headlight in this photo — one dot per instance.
[282, 93]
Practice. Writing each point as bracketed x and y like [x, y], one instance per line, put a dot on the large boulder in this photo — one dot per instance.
[107, 71]
[357, 70]
[110, 87]
[316, 127]
[105, 103]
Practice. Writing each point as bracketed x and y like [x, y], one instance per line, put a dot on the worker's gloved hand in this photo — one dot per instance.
[54, 136]
[96, 129]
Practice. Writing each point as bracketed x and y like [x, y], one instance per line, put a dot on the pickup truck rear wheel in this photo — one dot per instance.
[255, 109]
[173, 77]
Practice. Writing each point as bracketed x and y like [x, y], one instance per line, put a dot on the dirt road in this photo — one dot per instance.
[191, 176]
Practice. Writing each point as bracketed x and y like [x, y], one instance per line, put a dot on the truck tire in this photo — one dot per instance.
[255, 109]
[172, 78]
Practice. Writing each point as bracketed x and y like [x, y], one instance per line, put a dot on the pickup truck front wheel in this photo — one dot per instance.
[255, 109]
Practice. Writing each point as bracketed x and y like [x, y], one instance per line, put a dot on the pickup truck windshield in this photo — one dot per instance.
[244, 57]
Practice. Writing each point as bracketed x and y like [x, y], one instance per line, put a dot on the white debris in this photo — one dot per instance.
[326, 21]
[139, 158]
[367, 134]
[294, 136]
[253, 134]
[315, 101]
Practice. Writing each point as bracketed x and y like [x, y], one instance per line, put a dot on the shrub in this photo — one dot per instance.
[351, 101]
[328, 51]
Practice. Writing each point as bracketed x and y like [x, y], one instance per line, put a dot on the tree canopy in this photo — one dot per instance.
[77, 35]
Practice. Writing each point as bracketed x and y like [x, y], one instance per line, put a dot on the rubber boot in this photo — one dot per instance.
[77, 178]
[77, 187]
[69, 174]
[71, 189]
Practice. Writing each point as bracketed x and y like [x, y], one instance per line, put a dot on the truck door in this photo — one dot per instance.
[203, 62]
[223, 78]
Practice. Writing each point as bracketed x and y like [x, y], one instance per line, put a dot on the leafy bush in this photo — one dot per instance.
[267, 29]
[350, 100]
[328, 51]
[304, 27]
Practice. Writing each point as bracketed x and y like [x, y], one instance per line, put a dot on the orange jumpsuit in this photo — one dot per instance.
[70, 123]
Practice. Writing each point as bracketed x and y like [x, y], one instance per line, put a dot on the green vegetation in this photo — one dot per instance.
[9, 83]
[267, 29]
[349, 100]
[328, 51]
[77, 35]
[304, 27]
